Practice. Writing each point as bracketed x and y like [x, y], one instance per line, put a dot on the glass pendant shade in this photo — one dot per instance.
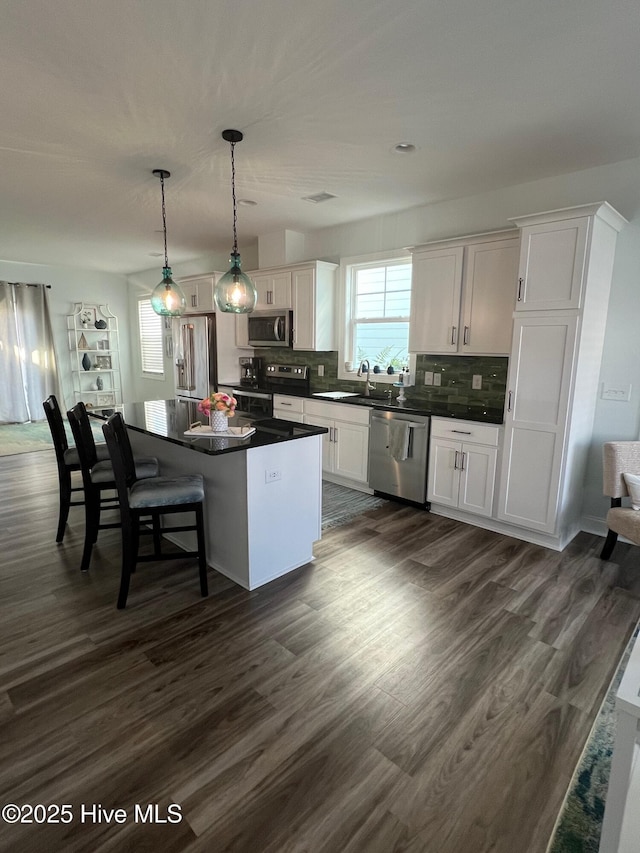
[168, 298]
[235, 292]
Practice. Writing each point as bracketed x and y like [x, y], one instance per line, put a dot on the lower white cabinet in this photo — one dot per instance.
[345, 447]
[288, 408]
[462, 465]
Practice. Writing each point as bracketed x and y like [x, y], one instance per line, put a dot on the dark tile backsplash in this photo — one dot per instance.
[456, 372]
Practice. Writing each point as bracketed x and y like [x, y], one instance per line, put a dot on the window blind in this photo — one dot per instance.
[151, 343]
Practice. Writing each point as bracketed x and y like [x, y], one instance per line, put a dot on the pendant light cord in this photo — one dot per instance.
[164, 223]
[233, 195]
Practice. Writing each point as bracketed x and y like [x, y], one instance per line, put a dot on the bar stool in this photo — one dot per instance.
[67, 460]
[98, 477]
[155, 498]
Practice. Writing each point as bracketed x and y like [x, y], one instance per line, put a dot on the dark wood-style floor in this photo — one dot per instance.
[423, 686]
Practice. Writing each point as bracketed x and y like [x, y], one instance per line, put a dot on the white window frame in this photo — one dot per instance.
[146, 374]
[345, 302]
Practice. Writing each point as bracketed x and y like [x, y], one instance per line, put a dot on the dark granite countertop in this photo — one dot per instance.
[441, 410]
[168, 420]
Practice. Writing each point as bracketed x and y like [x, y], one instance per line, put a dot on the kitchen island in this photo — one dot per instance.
[263, 494]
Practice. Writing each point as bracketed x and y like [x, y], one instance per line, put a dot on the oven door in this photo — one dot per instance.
[256, 405]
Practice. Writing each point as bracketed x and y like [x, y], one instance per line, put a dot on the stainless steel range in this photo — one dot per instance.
[256, 402]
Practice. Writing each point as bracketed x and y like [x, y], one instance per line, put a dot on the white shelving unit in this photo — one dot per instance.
[94, 350]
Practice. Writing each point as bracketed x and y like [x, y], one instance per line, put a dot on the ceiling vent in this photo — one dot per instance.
[318, 198]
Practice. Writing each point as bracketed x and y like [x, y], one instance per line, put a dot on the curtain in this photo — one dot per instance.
[28, 372]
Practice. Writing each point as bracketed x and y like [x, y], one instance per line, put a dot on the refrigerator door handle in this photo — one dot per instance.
[186, 379]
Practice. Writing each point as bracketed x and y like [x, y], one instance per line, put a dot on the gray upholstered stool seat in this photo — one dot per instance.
[102, 472]
[166, 491]
[154, 498]
[71, 455]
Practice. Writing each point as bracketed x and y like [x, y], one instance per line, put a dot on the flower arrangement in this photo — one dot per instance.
[218, 402]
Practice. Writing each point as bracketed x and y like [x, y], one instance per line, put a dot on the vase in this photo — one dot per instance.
[218, 420]
[86, 361]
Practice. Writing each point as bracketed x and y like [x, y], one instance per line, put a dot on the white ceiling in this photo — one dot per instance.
[97, 93]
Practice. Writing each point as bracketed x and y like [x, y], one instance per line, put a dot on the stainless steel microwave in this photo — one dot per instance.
[269, 328]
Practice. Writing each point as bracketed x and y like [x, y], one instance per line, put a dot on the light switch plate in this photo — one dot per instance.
[476, 381]
[622, 393]
[437, 378]
[428, 377]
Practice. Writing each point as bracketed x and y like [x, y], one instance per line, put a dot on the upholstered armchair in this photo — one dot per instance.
[621, 479]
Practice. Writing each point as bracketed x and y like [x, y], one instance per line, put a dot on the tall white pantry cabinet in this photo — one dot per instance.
[564, 279]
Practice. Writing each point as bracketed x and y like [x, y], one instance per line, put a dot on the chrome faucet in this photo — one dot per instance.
[365, 372]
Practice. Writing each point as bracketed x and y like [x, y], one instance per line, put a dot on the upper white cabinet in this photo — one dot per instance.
[199, 292]
[313, 302]
[273, 289]
[463, 294]
[555, 367]
[551, 270]
[307, 288]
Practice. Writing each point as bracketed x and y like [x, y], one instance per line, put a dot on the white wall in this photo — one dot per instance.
[619, 184]
[68, 286]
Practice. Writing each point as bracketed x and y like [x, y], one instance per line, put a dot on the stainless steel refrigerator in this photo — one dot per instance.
[194, 343]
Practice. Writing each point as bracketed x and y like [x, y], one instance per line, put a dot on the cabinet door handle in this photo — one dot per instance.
[520, 283]
[465, 336]
[462, 454]
[455, 460]
[282, 403]
[335, 434]
[509, 401]
[454, 334]
[194, 300]
[269, 297]
[462, 431]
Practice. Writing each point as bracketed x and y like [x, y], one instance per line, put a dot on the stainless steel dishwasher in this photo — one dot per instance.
[399, 454]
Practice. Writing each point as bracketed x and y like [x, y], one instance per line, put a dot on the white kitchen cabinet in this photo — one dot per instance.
[436, 287]
[462, 295]
[313, 301]
[308, 289]
[345, 448]
[554, 371]
[273, 289]
[462, 465]
[288, 408]
[551, 269]
[95, 356]
[199, 292]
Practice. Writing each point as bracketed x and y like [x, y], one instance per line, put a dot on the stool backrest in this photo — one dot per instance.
[56, 425]
[122, 461]
[83, 437]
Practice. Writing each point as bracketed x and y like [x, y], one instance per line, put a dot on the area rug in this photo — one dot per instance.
[24, 438]
[580, 823]
[340, 504]
[29, 437]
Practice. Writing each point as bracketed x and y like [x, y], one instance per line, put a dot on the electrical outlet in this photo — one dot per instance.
[321, 370]
[272, 475]
[476, 382]
[437, 379]
[428, 377]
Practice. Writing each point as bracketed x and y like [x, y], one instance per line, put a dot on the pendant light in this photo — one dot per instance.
[235, 292]
[168, 298]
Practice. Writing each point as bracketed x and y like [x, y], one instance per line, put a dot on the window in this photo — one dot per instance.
[378, 303]
[151, 340]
